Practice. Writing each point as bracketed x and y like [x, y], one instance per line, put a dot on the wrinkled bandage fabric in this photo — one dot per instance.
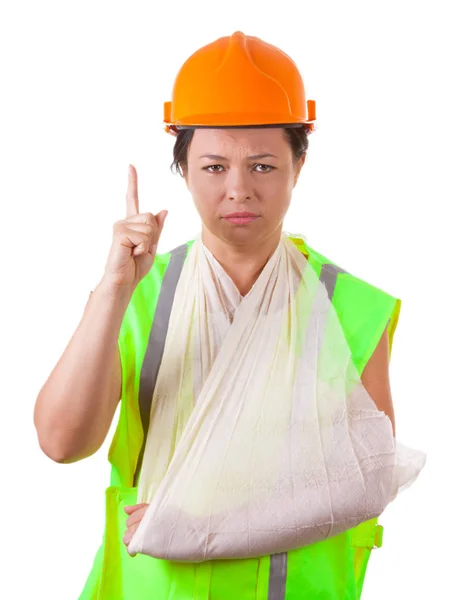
[262, 437]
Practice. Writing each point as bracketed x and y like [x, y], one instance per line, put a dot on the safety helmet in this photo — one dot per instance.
[238, 81]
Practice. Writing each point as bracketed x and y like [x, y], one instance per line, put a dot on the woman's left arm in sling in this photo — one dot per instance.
[376, 379]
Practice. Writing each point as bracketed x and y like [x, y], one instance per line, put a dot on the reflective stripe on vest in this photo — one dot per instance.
[158, 335]
[328, 276]
[151, 366]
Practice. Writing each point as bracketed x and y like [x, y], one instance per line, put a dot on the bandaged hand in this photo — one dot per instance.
[136, 513]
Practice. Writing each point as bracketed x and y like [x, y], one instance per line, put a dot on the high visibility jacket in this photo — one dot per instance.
[332, 569]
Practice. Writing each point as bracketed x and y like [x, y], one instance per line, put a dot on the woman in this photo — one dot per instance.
[155, 325]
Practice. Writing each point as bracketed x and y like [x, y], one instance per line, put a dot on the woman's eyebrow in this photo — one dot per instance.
[253, 157]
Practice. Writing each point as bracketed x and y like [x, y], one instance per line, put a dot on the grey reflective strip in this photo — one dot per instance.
[328, 276]
[158, 334]
[277, 576]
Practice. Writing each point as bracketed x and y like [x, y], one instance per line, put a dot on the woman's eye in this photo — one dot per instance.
[270, 168]
[211, 167]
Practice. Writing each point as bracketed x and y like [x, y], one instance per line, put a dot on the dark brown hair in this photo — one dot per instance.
[297, 138]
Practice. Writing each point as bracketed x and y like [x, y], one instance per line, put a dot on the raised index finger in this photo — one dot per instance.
[132, 199]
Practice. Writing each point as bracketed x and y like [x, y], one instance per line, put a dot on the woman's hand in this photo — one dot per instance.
[135, 240]
[136, 512]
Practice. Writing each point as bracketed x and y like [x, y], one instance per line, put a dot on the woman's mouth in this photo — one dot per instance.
[241, 218]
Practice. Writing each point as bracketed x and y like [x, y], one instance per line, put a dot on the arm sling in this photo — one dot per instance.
[262, 438]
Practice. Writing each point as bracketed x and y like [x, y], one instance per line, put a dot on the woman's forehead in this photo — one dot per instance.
[241, 140]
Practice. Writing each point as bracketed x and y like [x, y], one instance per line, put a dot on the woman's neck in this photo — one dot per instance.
[243, 263]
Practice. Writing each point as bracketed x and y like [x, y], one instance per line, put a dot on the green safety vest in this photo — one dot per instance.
[332, 569]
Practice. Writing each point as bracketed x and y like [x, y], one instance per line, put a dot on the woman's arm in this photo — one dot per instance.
[375, 378]
[75, 407]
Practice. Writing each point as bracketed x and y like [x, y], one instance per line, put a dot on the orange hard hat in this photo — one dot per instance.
[238, 81]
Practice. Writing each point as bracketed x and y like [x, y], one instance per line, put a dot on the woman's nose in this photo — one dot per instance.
[238, 185]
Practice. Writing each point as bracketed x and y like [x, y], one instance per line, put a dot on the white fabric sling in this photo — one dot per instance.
[262, 437]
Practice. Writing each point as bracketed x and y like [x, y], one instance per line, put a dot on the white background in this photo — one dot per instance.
[382, 194]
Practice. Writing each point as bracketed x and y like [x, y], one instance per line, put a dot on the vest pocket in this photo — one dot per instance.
[124, 577]
[112, 582]
[364, 538]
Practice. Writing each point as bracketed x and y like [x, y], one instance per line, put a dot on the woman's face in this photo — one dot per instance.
[241, 170]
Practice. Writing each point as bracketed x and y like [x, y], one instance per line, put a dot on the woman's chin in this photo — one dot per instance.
[242, 231]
